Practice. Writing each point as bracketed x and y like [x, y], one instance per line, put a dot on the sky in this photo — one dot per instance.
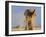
[18, 14]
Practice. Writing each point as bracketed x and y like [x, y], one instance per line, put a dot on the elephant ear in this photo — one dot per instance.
[29, 12]
[26, 12]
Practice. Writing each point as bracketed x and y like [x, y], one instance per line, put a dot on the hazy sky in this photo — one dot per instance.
[18, 14]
